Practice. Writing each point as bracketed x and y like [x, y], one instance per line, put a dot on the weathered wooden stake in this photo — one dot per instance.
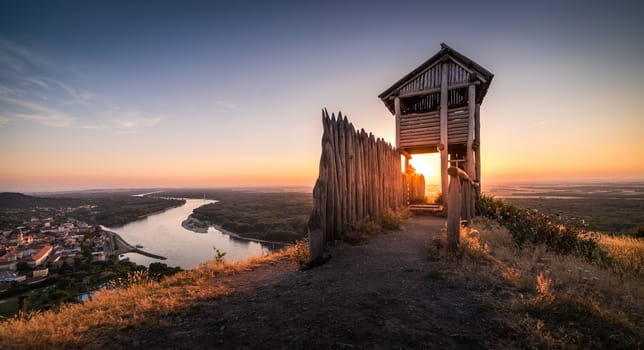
[443, 133]
[454, 211]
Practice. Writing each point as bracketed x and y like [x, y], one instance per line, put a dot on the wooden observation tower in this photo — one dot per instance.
[437, 109]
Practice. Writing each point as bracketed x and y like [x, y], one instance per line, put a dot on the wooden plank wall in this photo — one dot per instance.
[360, 177]
[457, 125]
[424, 129]
[419, 129]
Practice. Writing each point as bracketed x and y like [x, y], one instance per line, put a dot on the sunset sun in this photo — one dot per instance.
[427, 164]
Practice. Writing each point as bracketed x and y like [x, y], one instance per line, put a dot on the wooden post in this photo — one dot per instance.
[470, 165]
[443, 133]
[453, 212]
[397, 110]
[469, 168]
[477, 137]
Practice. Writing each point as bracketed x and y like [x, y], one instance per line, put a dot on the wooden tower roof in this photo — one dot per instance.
[426, 78]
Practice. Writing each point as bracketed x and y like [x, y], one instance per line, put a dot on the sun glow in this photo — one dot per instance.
[427, 164]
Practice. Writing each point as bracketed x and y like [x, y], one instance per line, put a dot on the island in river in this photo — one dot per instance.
[266, 215]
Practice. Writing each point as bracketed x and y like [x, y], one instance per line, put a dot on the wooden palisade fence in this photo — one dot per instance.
[414, 185]
[360, 178]
[460, 203]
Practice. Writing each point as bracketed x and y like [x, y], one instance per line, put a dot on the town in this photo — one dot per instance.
[54, 250]
[30, 250]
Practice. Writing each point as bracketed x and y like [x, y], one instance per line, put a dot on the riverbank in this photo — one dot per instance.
[233, 234]
[194, 225]
[123, 247]
[259, 216]
[199, 226]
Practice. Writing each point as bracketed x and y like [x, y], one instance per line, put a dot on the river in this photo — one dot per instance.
[162, 234]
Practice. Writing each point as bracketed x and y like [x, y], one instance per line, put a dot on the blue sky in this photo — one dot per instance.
[143, 93]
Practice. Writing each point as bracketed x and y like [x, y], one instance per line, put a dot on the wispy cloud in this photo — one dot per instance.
[37, 82]
[27, 110]
[229, 105]
[35, 89]
[53, 119]
[80, 97]
[19, 58]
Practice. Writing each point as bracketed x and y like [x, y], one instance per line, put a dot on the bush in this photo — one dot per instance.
[390, 221]
[439, 198]
[636, 232]
[531, 227]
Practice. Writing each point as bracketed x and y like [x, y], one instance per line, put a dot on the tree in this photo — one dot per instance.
[23, 267]
[23, 302]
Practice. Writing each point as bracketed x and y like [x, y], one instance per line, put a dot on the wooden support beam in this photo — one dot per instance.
[470, 129]
[477, 137]
[397, 111]
[470, 164]
[443, 133]
[453, 212]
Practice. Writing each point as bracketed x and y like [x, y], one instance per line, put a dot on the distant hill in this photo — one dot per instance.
[21, 201]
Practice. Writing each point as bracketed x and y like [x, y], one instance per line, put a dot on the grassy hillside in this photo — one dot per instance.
[546, 284]
[549, 299]
[130, 302]
[562, 286]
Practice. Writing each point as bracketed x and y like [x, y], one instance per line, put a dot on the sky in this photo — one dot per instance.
[113, 94]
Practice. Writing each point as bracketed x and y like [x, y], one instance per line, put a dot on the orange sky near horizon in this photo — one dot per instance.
[206, 98]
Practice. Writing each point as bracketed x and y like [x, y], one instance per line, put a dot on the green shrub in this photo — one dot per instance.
[439, 198]
[390, 221]
[531, 227]
[636, 232]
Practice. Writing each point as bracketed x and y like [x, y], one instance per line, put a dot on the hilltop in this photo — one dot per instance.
[396, 290]
[21, 201]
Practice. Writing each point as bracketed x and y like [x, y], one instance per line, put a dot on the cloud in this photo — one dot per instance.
[53, 119]
[17, 58]
[136, 123]
[37, 89]
[37, 82]
[3, 121]
[229, 105]
[80, 97]
[35, 112]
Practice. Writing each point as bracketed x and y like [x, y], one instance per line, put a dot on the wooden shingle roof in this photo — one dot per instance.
[426, 78]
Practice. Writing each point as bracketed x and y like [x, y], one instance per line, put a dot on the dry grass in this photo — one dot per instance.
[364, 229]
[137, 301]
[627, 251]
[553, 300]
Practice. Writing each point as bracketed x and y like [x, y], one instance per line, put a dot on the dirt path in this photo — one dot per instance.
[384, 294]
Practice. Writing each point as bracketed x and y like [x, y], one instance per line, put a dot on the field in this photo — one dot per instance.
[109, 208]
[605, 207]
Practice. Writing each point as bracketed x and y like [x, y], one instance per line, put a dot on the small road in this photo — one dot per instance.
[384, 294]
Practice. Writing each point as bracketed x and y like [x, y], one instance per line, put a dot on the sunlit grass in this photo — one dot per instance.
[557, 300]
[628, 252]
[136, 301]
